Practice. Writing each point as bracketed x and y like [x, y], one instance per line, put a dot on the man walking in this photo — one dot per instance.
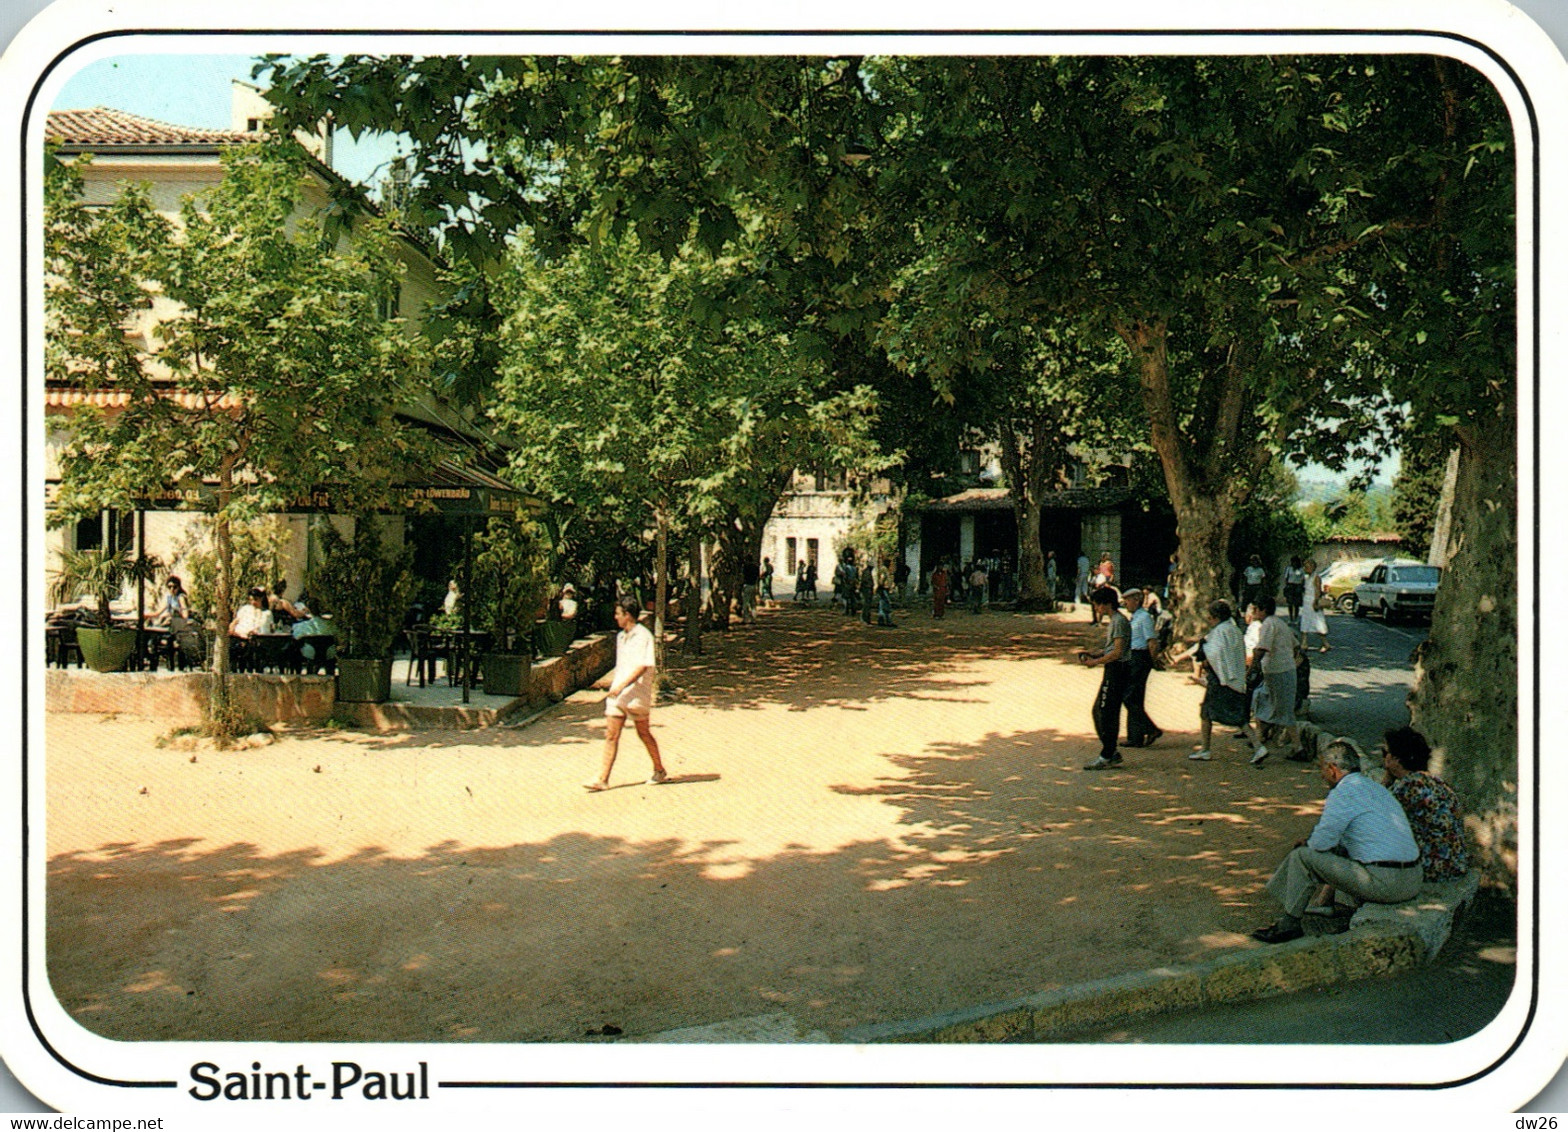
[1112, 657]
[630, 695]
[1141, 731]
[1362, 847]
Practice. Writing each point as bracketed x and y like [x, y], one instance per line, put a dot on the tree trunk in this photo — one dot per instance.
[1466, 699]
[219, 700]
[1208, 471]
[723, 582]
[661, 582]
[1026, 460]
[693, 601]
[737, 554]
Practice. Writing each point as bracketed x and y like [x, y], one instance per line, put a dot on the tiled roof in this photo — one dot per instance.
[106, 127]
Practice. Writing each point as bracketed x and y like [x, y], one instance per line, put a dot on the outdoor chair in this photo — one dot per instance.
[190, 648]
[425, 646]
[60, 646]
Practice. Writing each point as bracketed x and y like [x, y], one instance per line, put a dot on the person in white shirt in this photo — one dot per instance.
[1141, 730]
[253, 617]
[1362, 846]
[1225, 679]
[631, 694]
[1274, 657]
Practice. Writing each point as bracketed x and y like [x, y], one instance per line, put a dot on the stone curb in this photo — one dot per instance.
[1382, 939]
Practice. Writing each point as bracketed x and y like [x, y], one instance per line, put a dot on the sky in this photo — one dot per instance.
[193, 90]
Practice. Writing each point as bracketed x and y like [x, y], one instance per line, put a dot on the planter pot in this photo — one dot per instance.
[106, 650]
[506, 674]
[364, 681]
[553, 637]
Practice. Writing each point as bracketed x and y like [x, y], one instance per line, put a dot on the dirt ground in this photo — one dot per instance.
[865, 825]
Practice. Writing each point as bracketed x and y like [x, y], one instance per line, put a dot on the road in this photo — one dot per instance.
[1359, 686]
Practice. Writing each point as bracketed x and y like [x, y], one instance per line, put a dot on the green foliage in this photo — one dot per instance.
[100, 573]
[511, 578]
[625, 400]
[1355, 514]
[257, 551]
[1271, 526]
[268, 369]
[365, 589]
[1423, 462]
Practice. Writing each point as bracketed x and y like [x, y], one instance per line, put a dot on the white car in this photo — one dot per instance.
[1399, 590]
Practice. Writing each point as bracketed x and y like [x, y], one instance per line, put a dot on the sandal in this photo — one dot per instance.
[595, 787]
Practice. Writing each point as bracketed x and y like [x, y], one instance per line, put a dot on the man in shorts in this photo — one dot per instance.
[630, 695]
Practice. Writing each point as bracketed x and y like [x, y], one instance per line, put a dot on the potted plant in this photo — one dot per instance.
[512, 578]
[366, 591]
[102, 574]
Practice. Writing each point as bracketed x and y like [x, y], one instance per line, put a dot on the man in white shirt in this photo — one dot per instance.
[631, 694]
[1141, 730]
[1361, 846]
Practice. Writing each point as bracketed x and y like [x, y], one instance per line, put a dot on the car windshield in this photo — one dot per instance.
[1415, 574]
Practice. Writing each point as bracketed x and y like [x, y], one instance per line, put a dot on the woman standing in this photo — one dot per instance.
[1252, 579]
[939, 587]
[1295, 587]
[1312, 619]
[1104, 575]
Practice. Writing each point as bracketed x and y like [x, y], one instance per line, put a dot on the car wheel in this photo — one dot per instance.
[1347, 603]
[1386, 613]
[1357, 608]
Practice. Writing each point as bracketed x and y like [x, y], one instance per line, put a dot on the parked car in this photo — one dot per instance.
[1398, 590]
[1341, 578]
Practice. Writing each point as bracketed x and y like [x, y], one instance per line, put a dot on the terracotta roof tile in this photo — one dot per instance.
[103, 126]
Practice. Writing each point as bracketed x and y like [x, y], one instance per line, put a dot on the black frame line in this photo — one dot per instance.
[676, 36]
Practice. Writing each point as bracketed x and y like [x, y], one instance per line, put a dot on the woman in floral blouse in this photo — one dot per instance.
[1429, 802]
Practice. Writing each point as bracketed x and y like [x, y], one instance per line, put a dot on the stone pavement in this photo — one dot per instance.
[866, 828]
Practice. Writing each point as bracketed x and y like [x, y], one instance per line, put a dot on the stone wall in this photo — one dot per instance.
[178, 698]
[556, 677]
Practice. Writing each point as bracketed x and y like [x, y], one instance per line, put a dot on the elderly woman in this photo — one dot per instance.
[1433, 808]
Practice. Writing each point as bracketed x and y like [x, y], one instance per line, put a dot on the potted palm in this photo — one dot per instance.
[101, 575]
[366, 591]
[513, 576]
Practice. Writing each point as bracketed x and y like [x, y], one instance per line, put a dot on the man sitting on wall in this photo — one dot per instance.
[1362, 847]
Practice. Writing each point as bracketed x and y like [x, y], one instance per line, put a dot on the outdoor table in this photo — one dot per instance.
[460, 650]
[157, 643]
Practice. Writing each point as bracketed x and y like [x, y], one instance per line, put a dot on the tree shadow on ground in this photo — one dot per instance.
[1011, 875]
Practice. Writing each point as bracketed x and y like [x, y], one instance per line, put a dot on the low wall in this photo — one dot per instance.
[179, 698]
[557, 677]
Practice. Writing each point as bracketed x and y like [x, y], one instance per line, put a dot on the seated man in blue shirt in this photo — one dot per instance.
[1362, 846]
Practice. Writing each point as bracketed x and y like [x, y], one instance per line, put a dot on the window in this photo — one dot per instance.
[112, 530]
[789, 556]
[252, 125]
[969, 462]
[811, 551]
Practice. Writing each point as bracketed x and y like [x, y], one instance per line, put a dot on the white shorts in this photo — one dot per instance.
[632, 702]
